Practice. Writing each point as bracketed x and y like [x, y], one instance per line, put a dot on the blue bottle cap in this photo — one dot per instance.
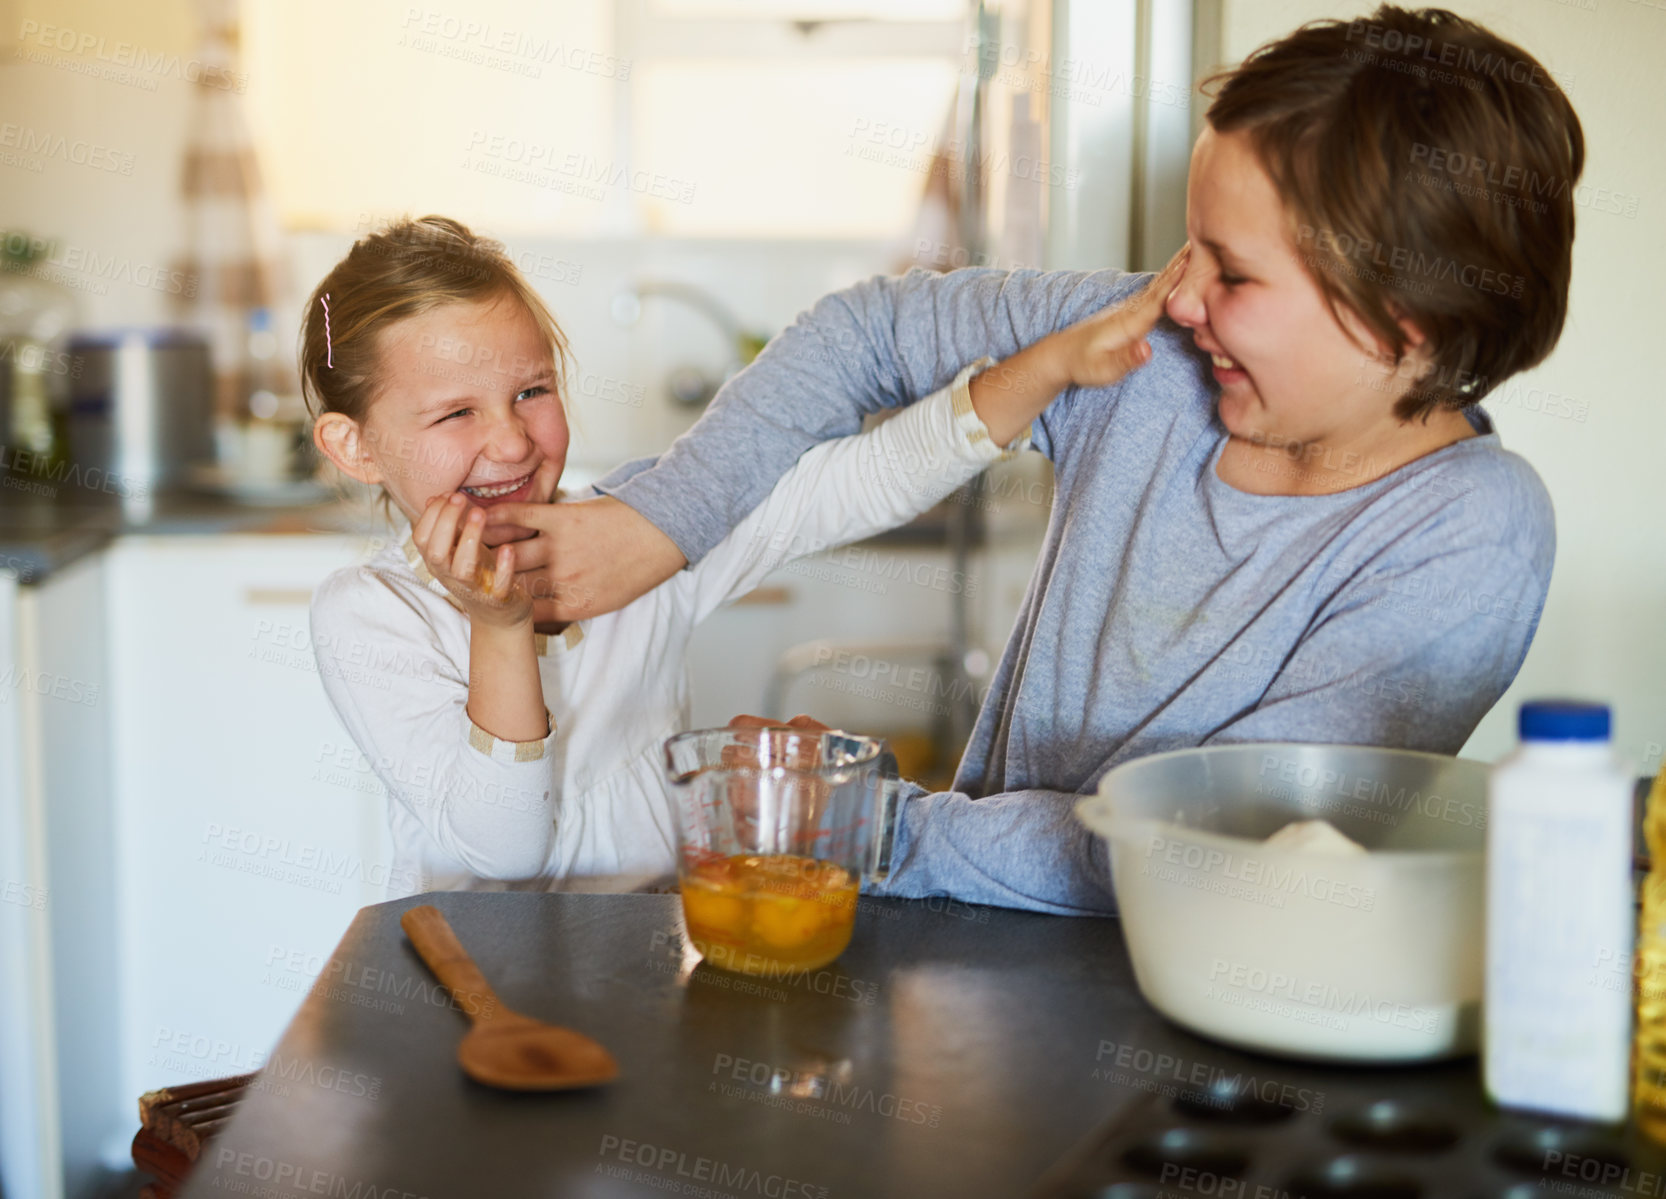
[1563, 720]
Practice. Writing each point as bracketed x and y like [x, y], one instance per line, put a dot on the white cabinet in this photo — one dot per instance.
[63, 690]
[244, 846]
[29, 1126]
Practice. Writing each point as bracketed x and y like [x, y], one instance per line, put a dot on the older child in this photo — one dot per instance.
[513, 757]
[1296, 524]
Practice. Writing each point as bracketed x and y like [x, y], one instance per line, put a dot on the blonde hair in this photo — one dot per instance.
[403, 269]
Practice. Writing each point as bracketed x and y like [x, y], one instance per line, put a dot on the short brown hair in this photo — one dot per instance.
[1427, 167]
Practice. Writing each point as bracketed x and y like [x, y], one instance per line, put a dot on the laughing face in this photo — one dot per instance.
[1294, 383]
[466, 402]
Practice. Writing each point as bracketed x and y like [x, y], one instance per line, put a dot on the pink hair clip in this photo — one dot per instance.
[329, 349]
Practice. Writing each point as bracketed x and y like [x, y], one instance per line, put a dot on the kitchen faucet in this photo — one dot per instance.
[692, 385]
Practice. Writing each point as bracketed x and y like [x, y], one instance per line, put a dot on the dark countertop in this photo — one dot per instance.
[940, 1048]
[952, 1051]
[45, 528]
[44, 531]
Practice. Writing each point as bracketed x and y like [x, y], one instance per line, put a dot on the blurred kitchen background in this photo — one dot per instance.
[184, 828]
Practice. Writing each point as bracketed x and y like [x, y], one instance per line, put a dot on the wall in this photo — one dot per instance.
[116, 213]
[1603, 634]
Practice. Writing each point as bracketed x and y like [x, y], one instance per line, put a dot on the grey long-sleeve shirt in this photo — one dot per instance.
[1167, 609]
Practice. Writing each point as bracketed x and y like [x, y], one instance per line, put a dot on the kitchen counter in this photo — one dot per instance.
[961, 1042]
[951, 1051]
[40, 535]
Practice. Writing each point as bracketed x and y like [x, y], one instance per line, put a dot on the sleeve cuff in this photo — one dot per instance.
[500, 750]
[966, 417]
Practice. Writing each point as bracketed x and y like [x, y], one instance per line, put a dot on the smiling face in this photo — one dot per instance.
[1289, 374]
[465, 401]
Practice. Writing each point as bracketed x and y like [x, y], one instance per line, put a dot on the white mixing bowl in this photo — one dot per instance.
[1370, 958]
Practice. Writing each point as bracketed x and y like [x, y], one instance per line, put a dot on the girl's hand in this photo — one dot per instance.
[448, 537]
[1099, 351]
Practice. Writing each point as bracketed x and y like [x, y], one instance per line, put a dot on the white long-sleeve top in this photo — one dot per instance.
[590, 802]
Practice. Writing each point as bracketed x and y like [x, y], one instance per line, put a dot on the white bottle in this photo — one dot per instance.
[1560, 914]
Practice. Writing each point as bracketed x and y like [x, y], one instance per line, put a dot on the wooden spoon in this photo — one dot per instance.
[504, 1048]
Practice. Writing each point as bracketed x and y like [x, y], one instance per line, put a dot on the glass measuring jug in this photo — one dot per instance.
[776, 828]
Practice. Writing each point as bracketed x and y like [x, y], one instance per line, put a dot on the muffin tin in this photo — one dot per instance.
[1374, 1137]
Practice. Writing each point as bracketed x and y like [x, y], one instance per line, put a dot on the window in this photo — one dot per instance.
[717, 118]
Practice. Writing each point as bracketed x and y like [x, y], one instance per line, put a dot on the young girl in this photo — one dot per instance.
[514, 757]
[1296, 524]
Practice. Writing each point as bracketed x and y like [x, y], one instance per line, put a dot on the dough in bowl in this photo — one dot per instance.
[1315, 836]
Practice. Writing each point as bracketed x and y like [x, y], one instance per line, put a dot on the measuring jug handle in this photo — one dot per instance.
[888, 787]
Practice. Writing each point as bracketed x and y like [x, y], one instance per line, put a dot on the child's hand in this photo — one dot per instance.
[448, 538]
[740, 756]
[1096, 352]
[1099, 351]
[589, 557]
